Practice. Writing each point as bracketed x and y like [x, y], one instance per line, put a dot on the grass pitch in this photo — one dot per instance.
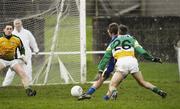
[131, 96]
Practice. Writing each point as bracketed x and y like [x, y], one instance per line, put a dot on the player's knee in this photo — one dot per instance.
[21, 73]
[113, 84]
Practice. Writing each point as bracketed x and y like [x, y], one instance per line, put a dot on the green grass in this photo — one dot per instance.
[131, 96]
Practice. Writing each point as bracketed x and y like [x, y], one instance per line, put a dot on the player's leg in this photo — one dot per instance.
[99, 80]
[28, 69]
[139, 78]
[97, 84]
[8, 78]
[114, 83]
[29, 66]
[20, 71]
[102, 77]
[25, 80]
[120, 74]
[2, 64]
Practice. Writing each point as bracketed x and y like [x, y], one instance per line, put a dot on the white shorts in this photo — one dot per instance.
[127, 65]
[10, 63]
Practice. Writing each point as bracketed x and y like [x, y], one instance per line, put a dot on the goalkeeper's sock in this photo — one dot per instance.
[91, 90]
[159, 92]
[156, 90]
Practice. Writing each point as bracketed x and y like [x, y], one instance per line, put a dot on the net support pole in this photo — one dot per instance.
[59, 13]
[178, 57]
[83, 40]
[177, 48]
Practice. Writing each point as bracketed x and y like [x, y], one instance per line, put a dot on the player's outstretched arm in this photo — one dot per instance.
[142, 52]
[147, 56]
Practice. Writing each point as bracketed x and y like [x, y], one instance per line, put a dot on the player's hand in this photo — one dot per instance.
[23, 58]
[156, 59]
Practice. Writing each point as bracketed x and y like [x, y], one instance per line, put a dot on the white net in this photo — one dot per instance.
[56, 27]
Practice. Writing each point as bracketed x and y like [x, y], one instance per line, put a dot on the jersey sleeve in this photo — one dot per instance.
[21, 48]
[141, 51]
[107, 56]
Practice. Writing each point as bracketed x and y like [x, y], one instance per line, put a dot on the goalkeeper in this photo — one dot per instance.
[9, 44]
[102, 76]
[123, 49]
[29, 43]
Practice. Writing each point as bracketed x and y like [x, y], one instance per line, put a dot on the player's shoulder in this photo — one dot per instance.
[127, 36]
[130, 36]
[1, 35]
[16, 37]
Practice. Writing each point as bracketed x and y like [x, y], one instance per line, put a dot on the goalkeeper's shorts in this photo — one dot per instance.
[127, 65]
[11, 63]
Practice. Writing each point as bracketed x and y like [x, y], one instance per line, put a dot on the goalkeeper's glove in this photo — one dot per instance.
[36, 53]
[156, 59]
[23, 58]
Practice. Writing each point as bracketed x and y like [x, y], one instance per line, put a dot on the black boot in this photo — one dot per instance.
[30, 92]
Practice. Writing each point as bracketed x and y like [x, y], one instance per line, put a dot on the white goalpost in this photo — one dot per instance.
[82, 12]
[177, 48]
[178, 55]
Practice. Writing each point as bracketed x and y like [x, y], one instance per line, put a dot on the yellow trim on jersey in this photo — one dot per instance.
[123, 53]
[8, 47]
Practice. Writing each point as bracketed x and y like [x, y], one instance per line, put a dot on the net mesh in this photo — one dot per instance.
[55, 25]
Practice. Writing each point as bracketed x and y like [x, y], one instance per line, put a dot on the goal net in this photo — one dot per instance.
[59, 29]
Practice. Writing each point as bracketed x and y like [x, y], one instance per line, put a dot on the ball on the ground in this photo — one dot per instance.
[76, 91]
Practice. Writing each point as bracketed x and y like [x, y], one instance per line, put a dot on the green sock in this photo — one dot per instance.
[156, 90]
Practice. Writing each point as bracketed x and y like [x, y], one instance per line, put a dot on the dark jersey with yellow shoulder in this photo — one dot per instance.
[9, 46]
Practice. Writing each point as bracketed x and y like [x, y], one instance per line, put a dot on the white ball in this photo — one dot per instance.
[76, 91]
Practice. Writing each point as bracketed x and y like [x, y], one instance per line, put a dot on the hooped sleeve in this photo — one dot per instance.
[21, 48]
[142, 52]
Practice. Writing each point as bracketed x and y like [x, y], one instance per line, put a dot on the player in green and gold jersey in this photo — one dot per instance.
[9, 44]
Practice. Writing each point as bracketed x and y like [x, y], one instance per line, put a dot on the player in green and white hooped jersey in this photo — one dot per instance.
[123, 49]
